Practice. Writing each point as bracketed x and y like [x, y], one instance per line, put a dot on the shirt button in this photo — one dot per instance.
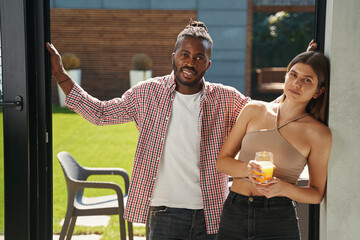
[251, 199]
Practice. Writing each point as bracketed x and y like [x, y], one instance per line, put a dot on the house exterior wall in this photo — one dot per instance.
[227, 24]
[226, 21]
[106, 40]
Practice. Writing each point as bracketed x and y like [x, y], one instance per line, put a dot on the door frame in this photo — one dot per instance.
[319, 38]
[25, 27]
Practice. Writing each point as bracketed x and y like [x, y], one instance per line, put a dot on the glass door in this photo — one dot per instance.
[26, 170]
[16, 172]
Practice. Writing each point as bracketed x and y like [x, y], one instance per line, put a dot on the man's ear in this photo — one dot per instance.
[208, 65]
[172, 57]
[319, 92]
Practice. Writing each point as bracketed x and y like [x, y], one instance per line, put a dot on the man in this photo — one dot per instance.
[182, 121]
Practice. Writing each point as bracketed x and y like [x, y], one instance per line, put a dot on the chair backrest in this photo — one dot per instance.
[72, 169]
[271, 74]
[270, 80]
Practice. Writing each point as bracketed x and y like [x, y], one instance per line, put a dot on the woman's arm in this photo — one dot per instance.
[318, 165]
[226, 161]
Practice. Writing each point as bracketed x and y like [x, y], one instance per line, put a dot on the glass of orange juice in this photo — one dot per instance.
[266, 161]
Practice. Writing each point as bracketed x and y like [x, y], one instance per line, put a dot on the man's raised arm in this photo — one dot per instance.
[58, 71]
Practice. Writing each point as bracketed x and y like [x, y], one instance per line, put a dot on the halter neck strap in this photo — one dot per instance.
[290, 121]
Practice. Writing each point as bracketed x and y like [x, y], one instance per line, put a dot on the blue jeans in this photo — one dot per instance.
[255, 218]
[177, 223]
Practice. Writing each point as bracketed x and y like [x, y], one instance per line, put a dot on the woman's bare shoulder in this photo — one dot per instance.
[257, 110]
[259, 105]
[318, 131]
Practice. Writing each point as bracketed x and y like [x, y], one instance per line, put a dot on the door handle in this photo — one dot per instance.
[17, 103]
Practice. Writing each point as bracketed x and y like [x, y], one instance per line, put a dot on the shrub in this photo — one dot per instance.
[142, 61]
[70, 61]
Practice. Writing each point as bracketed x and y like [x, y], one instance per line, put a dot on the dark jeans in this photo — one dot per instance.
[177, 223]
[258, 218]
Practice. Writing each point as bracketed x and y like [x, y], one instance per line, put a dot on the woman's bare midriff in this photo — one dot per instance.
[244, 187]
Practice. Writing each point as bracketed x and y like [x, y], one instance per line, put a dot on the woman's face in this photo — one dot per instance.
[301, 83]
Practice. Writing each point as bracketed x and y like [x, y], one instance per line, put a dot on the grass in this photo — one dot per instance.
[91, 146]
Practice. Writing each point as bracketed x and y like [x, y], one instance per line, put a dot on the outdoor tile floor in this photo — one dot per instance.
[81, 237]
[91, 221]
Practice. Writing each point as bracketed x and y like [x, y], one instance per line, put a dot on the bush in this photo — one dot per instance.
[142, 61]
[70, 61]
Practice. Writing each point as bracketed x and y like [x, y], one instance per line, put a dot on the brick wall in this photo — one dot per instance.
[106, 40]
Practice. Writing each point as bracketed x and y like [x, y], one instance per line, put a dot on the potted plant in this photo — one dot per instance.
[142, 68]
[71, 63]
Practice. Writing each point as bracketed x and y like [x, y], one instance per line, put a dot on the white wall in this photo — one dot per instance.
[341, 212]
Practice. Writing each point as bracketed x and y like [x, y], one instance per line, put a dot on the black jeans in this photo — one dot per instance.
[256, 218]
[177, 223]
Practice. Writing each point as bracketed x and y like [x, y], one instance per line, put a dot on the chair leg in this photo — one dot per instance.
[130, 230]
[147, 227]
[71, 228]
[65, 226]
[122, 227]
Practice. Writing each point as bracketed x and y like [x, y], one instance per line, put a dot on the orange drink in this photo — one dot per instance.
[266, 161]
[267, 168]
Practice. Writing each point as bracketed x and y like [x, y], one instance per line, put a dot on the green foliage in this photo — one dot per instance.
[70, 61]
[279, 37]
[142, 61]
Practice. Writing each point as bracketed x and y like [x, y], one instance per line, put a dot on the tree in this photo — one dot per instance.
[279, 37]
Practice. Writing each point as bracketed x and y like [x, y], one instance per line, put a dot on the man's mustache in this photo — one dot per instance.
[190, 68]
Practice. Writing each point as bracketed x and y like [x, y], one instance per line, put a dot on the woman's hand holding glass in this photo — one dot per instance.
[260, 170]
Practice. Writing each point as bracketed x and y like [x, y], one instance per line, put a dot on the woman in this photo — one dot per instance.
[294, 131]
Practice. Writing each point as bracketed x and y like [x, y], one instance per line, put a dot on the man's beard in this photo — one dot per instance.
[188, 84]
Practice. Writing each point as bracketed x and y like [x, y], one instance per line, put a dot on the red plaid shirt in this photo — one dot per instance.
[149, 105]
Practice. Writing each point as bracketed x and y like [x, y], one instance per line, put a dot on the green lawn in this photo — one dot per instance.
[91, 146]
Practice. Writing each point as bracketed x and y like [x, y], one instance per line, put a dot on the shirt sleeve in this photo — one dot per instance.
[240, 102]
[114, 111]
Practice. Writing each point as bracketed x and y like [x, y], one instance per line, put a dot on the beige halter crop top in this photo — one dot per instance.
[288, 160]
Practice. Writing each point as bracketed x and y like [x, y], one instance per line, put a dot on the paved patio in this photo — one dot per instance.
[93, 221]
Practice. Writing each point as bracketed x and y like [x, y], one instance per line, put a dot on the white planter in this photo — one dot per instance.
[75, 75]
[139, 75]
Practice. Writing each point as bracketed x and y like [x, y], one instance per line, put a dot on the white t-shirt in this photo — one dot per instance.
[178, 179]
